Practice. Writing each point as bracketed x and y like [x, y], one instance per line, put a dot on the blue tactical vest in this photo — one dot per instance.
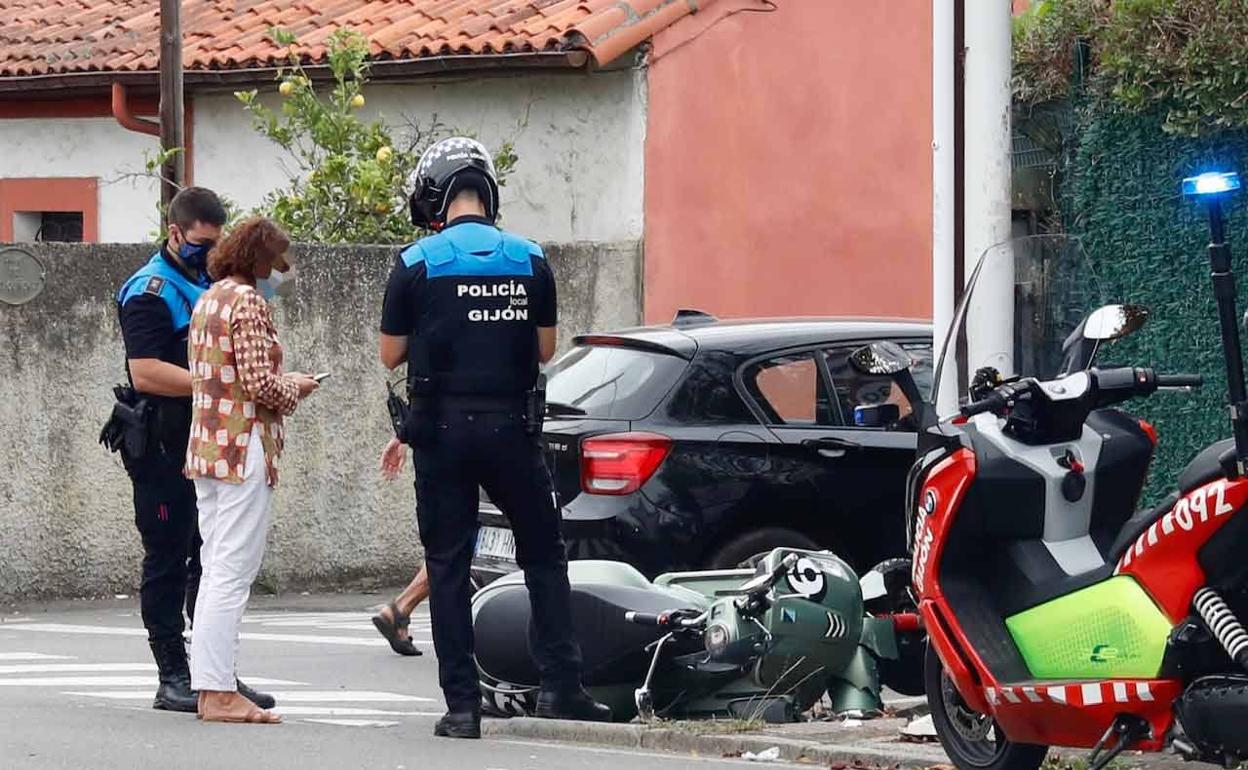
[162, 279]
[475, 332]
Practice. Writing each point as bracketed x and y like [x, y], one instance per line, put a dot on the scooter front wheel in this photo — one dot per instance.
[971, 739]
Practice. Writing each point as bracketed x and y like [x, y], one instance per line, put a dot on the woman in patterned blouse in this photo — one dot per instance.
[239, 395]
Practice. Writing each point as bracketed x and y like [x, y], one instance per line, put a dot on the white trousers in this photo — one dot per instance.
[233, 522]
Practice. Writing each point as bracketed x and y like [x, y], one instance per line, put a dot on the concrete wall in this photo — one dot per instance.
[788, 165]
[65, 512]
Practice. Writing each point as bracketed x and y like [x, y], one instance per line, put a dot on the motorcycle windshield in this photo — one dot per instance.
[1023, 299]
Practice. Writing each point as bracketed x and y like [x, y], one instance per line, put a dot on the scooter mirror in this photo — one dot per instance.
[1114, 321]
[880, 358]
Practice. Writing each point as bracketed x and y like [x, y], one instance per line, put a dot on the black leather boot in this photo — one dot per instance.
[576, 705]
[174, 693]
[459, 724]
[261, 699]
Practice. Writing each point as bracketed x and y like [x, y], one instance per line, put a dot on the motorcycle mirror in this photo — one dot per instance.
[880, 358]
[1114, 321]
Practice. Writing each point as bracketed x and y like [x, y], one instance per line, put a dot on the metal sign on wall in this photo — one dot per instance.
[22, 276]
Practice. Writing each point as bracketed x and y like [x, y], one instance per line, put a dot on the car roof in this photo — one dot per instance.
[759, 335]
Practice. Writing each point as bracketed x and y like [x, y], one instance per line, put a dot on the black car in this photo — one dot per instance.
[705, 444]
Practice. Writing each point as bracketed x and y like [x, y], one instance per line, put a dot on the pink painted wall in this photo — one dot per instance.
[788, 161]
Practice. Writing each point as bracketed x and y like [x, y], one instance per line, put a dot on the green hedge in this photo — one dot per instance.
[1147, 244]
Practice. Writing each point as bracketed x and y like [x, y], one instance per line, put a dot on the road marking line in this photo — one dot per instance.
[349, 641]
[32, 656]
[346, 711]
[294, 696]
[112, 681]
[74, 668]
[352, 722]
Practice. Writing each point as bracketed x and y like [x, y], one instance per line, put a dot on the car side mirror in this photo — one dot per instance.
[1114, 321]
[880, 358]
[876, 415]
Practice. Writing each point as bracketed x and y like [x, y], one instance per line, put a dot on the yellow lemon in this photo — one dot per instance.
[384, 154]
[357, 101]
[286, 88]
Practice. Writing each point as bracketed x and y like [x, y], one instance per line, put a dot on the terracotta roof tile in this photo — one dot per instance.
[63, 36]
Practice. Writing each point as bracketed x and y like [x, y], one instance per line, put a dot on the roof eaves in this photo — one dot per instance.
[258, 72]
[632, 22]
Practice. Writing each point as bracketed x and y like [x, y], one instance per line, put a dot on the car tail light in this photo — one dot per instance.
[620, 463]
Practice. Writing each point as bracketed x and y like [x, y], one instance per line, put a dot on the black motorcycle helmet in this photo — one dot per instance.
[446, 168]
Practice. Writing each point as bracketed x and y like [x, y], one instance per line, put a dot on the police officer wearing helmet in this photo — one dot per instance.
[472, 311]
[154, 307]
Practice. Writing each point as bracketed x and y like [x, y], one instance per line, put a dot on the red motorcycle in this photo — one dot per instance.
[1056, 614]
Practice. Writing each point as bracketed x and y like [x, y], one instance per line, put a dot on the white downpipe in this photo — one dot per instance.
[943, 209]
[990, 325]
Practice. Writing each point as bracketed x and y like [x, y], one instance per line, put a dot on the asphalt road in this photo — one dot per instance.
[76, 683]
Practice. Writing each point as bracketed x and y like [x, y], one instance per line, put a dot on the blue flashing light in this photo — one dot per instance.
[1211, 183]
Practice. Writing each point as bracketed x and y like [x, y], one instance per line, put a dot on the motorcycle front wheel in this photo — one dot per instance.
[971, 739]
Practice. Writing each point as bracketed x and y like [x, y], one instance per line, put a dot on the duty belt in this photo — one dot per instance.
[470, 403]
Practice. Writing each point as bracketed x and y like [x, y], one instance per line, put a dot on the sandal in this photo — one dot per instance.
[256, 716]
[390, 629]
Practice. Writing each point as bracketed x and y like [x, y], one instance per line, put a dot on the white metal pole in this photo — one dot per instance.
[943, 208]
[990, 324]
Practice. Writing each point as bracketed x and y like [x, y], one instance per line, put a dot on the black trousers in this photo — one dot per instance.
[168, 524]
[491, 450]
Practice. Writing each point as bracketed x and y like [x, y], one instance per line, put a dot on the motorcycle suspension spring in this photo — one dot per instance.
[1223, 623]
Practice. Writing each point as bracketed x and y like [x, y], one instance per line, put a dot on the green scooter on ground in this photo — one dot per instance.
[764, 644]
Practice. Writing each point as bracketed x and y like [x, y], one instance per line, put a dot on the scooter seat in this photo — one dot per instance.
[612, 649]
[1205, 467]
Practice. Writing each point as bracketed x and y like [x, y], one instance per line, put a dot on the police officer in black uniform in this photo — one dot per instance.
[154, 307]
[472, 311]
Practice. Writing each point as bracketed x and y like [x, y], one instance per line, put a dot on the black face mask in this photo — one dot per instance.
[195, 255]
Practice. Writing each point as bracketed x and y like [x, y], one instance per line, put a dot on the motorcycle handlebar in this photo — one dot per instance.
[1180, 380]
[644, 618]
[670, 619]
[1113, 386]
[990, 404]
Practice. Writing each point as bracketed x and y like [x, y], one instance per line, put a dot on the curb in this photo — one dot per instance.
[683, 742]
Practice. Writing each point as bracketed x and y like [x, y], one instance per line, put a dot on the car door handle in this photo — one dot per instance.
[830, 447]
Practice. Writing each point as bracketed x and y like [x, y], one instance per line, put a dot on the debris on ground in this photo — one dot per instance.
[921, 730]
[769, 755]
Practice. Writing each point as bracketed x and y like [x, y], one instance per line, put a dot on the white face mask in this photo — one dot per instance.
[270, 287]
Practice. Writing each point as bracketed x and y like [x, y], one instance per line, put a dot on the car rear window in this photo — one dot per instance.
[612, 381]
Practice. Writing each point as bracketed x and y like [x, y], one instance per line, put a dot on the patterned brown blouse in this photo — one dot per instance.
[236, 383]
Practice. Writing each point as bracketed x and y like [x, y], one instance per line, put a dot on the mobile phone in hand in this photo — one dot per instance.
[320, 377]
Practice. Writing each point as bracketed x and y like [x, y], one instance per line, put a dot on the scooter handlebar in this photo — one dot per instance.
[672, 619]
[645, 618]
[1180, 380]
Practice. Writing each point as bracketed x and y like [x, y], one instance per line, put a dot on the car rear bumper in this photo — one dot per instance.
[628, 536]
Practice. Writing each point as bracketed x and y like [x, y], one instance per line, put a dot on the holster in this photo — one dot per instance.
[535, 407]
[129, 429]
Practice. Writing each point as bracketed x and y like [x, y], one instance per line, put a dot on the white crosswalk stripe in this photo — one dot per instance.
[74, 668]
[289, 696]
[129, 684]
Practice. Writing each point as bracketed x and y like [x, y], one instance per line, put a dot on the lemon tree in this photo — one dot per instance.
[347, 181]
